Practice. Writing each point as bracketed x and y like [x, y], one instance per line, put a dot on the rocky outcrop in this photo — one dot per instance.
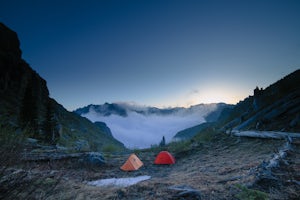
[9, 42]
[24, 95]
[25, 104]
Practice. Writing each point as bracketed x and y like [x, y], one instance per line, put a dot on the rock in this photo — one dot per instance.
[9, 42]
[192, 194]
[93, 158]
[82, 145]
[186, 192]
[295, 121]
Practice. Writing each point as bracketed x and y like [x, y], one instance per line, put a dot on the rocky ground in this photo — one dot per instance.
[221, 169]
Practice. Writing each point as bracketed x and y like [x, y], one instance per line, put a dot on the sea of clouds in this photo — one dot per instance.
[138, 130]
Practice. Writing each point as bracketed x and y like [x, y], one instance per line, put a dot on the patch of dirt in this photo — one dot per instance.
[213, 169]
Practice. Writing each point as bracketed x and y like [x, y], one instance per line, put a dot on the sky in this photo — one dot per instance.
[162, 53]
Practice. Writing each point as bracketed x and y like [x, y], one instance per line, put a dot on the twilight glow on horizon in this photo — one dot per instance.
[162, 53]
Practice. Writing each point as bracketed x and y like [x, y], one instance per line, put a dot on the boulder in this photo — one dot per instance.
[93, 158]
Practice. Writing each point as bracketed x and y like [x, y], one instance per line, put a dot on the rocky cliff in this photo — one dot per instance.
[25, 104]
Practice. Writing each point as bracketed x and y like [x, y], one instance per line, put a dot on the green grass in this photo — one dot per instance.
[11, 146]
[110, 148]
[206, 135]
[250, 194]
[179, 146]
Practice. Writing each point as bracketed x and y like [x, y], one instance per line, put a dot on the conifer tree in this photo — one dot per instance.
[163, 142]
[28, 112]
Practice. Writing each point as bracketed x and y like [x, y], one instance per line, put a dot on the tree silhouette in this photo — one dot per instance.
[162, 142]
[29, 112]
[49, 125]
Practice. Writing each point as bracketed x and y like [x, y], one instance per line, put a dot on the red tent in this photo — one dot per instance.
[164, 158]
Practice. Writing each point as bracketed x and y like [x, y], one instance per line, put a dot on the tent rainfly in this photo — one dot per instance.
[164, 158]
[133, 163]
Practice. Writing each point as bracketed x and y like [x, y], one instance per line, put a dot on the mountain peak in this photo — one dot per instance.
[9, 42]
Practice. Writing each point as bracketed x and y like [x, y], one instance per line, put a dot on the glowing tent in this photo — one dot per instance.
[133, 163]
[164, 158]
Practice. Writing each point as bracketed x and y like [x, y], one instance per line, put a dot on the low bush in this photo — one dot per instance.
[250, 194]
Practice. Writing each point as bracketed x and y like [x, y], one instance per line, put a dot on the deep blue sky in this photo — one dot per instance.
[160, 53]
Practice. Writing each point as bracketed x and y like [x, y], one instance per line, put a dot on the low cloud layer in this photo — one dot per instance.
[141, 131]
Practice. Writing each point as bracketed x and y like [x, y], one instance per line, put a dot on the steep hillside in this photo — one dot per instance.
[210, 118]
[191, 132]
[275, 108]
[25, 104]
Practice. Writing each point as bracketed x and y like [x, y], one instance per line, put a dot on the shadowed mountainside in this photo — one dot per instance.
[275, 108]
[25, 104]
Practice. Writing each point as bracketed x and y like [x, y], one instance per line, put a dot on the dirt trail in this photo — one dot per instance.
[213, 169]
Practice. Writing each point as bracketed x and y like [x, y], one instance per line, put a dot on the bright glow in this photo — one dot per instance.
[219, 95]
[206, 95]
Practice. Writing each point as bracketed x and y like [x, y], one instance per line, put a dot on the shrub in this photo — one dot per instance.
[179, 146]
[110, 148]
[11, 145]
[206, 135]
[250, 194]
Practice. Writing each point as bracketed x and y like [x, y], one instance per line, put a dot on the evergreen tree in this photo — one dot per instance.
[28, 112]
[163, 142]
[49, 126]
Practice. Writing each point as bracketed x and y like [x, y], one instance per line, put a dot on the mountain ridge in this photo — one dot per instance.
[122, 109]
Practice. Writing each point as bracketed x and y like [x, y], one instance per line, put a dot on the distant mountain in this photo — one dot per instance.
[141, 126]
[25, 104]
[105, 109]
[209, 111]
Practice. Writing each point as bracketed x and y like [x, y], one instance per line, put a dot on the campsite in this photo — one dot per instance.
[149, 100]
[210, 170]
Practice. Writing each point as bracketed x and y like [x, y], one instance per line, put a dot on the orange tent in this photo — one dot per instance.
[133, 163]
[164, 158]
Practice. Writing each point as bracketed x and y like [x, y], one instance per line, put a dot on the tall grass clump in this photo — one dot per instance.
[11, 146]
[206, 135]
[179, 146]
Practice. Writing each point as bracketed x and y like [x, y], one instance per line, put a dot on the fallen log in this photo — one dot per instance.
[49, 156]
[87, 157]
[263, 172]
[266, 134]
